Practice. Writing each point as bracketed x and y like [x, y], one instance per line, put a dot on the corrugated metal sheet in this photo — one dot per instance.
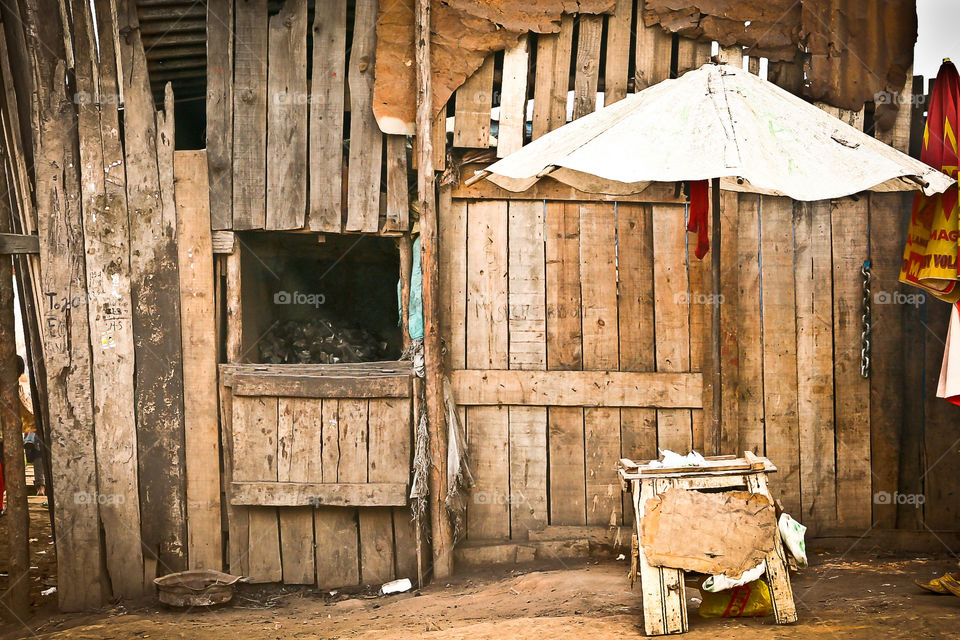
[175, 40]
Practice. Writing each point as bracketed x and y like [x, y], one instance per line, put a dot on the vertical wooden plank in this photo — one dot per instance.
[551, 81]
[778, 575]
[376, 545]
[729, 354]
[813, 266]
[749, 330]
[653, 52]
[898, 134]
[513, 98]
[851, 391]
[638, 427]
[238, 522]
[564, 352]
[691, 54]
[618, 52]
[598, 274]
[366, 141]
[389, 452]
[732, 55]
[886, 362]
[405, 544]
[154, 279]
[587, 73]
[528, 342]
[398, 197]
[452, 221]
[106, 241]
[352, 466]
[488, 432]
[780, 348]
[330, 435]
[671, 317]
[201, 440]
[299, 423]
[250, 114]
[337, 564]
[219, 111]
[255, 423]
[471, 124]
[287, 117]
[326, 116]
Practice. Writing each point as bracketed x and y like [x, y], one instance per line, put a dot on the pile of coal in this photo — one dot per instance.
[320, 341]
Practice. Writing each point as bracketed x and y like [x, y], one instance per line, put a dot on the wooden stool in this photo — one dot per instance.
[664, 601]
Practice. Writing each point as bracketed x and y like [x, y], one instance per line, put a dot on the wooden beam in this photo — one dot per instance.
[548, 188]
[15, 243]
[330, 494]
[202, 448]
[322, 386]
[219, 52]
[578, 388]
[432, 348]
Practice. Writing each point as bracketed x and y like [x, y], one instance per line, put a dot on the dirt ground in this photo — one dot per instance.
[844, 596]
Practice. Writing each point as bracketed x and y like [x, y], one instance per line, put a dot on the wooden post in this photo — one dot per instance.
[16, 597]
[713, 442]
[442, 532]
[405, 244]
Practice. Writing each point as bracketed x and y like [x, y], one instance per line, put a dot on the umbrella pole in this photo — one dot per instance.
[716, 425]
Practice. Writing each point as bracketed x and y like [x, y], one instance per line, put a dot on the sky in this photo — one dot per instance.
[938, 35]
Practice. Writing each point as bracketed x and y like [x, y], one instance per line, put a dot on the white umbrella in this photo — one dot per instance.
[717, 121]
[724, 124]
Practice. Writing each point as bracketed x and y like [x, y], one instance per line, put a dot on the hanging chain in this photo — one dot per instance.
[865, 334]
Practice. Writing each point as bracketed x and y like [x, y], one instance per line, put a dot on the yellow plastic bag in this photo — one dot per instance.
[748, 600]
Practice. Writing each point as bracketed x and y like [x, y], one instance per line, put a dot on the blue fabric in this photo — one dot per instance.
[416, 290]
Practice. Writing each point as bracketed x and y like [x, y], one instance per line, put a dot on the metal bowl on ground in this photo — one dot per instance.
[196, 588]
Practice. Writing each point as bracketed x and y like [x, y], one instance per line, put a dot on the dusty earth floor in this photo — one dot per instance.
[855, 596]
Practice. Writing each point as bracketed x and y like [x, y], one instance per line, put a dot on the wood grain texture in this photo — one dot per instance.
[352, 466]
[250, 114]
[299, 442]
[780, 348]
[314, 494]
[398, 197]
[287, 117]
[452, 216]
[598, 275]
[587, 70]
[197, 302]
[671, 318]
[376, 545]
[849, 221]
[327, 90]
[472, 104]
[552, 78]
[652, 52]
[564, 352]
[366, 141]
[338, 564]
[220, 111]
[488, 514]
[154, 280]
[813, 267]
[513, 98]
[729, 354]
[618, 52]
[749, 330]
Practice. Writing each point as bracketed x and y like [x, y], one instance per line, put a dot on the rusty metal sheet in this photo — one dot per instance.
[857, 49]
[770, 28]
[463, 33]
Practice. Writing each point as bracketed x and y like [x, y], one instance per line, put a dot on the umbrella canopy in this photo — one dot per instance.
[723, 122]
[930, 254]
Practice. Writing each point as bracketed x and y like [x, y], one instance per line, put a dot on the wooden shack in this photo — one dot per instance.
[246, 172]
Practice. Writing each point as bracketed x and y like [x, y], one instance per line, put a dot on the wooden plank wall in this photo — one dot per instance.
[791, 311]
[295, 128]
[324, 441]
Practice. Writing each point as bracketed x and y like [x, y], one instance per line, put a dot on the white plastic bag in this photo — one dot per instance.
[792, 533]
[720, 582]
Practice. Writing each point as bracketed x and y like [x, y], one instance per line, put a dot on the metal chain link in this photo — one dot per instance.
[865, 334]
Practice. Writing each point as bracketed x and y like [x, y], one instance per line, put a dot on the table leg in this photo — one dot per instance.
[778, 575]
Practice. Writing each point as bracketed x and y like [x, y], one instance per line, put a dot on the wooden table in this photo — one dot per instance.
[664, 601]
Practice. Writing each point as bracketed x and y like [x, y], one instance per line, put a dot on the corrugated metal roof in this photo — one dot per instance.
[174, 36]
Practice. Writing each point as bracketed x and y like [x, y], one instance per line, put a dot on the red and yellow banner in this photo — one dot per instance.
[930, 255]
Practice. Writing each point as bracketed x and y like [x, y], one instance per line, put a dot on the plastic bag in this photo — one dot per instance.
[720, 582]
[792, 533]
[748, 600]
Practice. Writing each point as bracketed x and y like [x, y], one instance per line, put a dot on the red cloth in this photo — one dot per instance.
[699, 220]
